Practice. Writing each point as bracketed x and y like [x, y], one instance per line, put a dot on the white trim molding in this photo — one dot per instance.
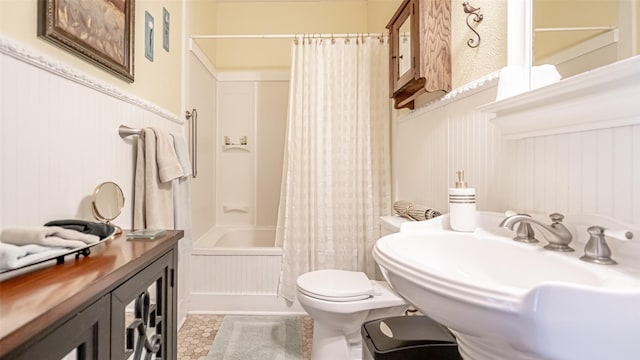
[20, 52]
[204, 60]
[606, 97]
[486, 82]
[226, 75]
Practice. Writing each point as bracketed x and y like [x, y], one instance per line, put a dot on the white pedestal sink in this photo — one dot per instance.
[508, 300]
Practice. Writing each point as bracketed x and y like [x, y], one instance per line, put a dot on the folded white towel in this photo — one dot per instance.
[13, 256]
[168, 166]
[513, 80]
[543, 75]
[52, 236]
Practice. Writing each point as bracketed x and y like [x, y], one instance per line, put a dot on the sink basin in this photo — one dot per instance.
[508, 300]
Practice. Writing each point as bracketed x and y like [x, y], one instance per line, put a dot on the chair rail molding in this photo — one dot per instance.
[606, 97]
[22, 53]
[483, 83]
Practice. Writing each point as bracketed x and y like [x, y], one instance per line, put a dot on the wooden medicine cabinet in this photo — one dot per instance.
[419, 50]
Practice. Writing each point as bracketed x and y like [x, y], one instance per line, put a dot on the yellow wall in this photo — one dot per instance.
[468, 64]
[279, 18]
[569, 13]
[202, 21]
[379, 13]
[345, 17]
[158, 82]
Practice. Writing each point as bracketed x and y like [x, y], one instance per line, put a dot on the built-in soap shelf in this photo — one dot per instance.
[242, 144]
[239, 208]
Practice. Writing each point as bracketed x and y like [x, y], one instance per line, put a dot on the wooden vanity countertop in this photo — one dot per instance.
[49, 296]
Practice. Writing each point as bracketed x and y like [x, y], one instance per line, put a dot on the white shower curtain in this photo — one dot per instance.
[336, 176]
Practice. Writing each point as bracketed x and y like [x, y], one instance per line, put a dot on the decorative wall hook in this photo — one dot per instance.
[477, 17]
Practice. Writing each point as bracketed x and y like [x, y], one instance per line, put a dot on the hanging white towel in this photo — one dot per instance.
[182, 152]
[153, 199]
[169, 167]
[182, 187]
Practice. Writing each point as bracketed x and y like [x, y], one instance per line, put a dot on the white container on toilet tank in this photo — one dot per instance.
[462, 205]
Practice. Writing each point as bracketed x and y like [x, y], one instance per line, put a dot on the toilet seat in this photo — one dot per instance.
[336, 285]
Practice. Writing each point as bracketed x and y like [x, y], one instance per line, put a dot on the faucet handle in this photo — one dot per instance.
[623, 235]
[525, 232]
[556, 218]
[597, 251]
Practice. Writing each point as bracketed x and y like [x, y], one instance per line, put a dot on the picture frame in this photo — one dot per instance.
[98, 31]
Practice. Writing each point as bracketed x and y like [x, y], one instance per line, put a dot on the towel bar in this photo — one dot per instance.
[125, 131]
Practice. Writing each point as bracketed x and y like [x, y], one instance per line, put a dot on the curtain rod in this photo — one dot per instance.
[288, 36]
[586, 28]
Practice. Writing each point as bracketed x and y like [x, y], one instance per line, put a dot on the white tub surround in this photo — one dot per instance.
[236, 270]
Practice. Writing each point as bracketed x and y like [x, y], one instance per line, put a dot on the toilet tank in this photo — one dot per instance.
[391, 224]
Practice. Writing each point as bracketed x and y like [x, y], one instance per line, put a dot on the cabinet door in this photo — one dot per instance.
[143, 313]
[84, 337]
[404, 45]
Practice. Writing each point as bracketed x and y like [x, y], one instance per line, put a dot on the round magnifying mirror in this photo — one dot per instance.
[108, 202]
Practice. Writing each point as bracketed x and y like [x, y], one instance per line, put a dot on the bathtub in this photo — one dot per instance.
[236, 270]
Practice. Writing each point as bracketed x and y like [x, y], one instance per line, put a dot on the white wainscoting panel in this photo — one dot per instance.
[421, 160]
[584, 172]
[59, 140]
[475, 146]
[431, 144]
[236, 274]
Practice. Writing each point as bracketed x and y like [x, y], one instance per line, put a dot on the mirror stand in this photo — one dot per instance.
[107, 203]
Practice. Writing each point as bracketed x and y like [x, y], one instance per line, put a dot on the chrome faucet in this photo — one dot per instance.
[556, 234]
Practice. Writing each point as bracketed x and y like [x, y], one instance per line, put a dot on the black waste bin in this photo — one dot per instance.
[408, 338]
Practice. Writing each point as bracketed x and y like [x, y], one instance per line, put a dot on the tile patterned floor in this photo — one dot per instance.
[197, 334]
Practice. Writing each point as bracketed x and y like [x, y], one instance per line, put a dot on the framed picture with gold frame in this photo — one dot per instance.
[99, 31]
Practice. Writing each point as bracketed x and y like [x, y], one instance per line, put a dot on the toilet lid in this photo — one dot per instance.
[335, 285]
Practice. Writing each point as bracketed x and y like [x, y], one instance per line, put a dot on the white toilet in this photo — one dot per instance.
[339, 302]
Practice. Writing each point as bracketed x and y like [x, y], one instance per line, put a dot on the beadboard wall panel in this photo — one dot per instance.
[420, 157]
[591, 171]
[432, 143]
[236, 274]
[59, 140]
[474, 146]
[584, 172]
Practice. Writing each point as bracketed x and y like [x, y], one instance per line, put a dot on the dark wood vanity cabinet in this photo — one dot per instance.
[419, 51]
[117, 303]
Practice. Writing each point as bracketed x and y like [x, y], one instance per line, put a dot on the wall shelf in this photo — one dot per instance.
[568, 105]
[235, 146]
[239, 208]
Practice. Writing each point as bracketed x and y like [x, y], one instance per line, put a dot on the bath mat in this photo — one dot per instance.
[257, 337]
